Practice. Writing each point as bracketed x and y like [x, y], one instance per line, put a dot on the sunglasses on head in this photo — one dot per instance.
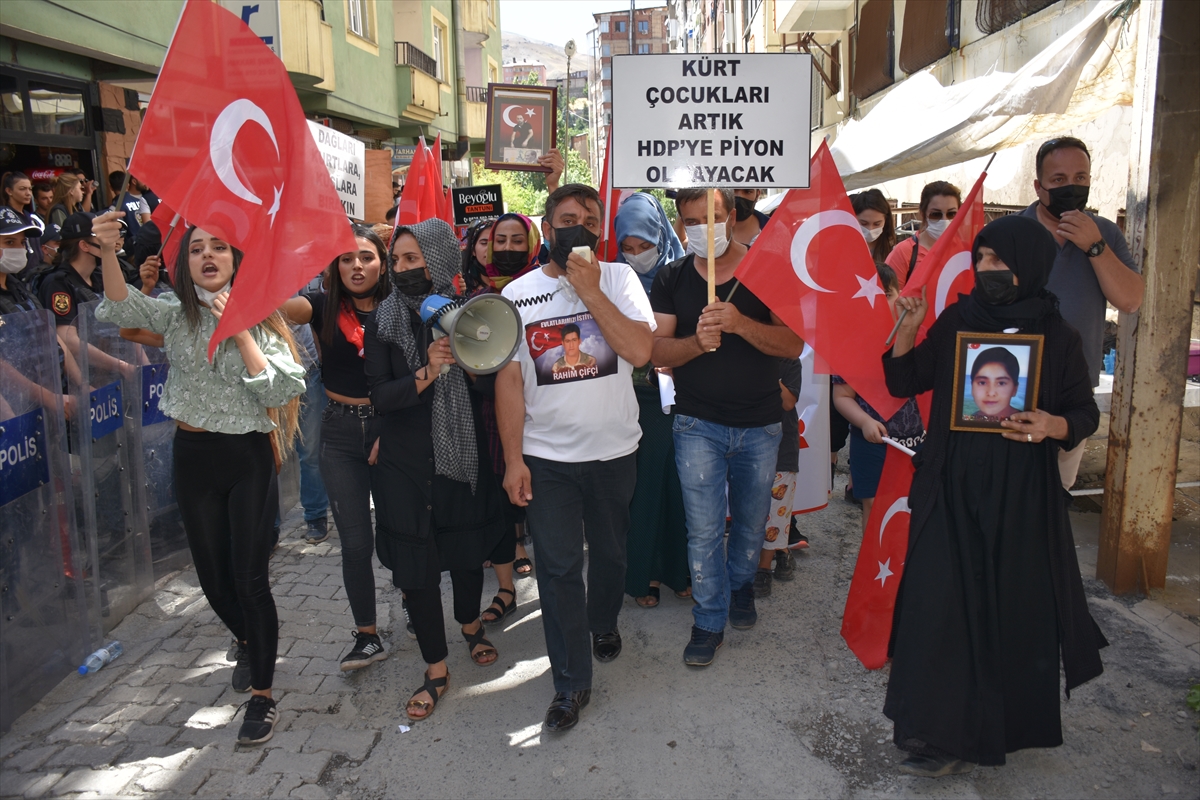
[935, 215]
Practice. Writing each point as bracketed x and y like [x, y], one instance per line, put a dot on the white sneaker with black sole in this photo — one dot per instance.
[258, 725]
[367, 650]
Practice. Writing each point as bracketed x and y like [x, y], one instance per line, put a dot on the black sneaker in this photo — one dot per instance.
[408, 626]
[762, 583]
[741, 608]
[241, 669]
[785, 566]
[367, 650]
[796, 539]
[258, 725]
[317, 530]
[702, 649]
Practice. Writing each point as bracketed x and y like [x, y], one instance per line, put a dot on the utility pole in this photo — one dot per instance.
[631, 24]
[569, 49]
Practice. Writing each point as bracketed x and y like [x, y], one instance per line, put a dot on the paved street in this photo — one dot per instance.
[785, 711]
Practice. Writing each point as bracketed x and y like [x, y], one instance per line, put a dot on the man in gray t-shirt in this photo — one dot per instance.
[1094, 266]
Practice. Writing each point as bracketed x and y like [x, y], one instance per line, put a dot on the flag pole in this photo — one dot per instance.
[904, 311]
[167, 238]
[888, 440]
[712, 261]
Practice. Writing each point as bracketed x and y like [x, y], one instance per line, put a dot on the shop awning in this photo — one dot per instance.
[921, 126]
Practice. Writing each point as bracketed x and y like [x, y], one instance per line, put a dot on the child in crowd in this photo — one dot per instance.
[867, 448]
[783, 490]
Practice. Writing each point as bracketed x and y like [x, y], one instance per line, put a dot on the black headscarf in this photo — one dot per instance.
[1028, 249]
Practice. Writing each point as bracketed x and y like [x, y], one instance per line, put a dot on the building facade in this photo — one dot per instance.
[76, 78]
[519, 71]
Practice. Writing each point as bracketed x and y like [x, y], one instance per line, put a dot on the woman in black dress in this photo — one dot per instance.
[991, 592]
[437, 504]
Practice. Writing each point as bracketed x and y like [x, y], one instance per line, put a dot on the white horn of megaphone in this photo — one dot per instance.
[484, 331]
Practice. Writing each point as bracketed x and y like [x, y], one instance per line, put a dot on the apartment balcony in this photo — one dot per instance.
[420, 90]
[474, 19]
[476, 122]
[306, 45]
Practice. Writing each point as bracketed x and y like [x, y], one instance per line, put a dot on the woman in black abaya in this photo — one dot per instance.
[991, 592]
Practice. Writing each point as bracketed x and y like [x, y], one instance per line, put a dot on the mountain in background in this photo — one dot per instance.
[522, 48]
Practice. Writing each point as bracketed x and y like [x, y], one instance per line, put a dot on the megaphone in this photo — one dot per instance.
[484, 331]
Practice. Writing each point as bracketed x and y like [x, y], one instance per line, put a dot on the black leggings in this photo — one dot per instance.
[228, 496]
[425, 605]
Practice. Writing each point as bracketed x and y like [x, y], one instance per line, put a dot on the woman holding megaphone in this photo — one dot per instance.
[437, 504]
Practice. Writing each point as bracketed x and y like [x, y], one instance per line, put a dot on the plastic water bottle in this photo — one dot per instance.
[101, 657]
[1110, 362]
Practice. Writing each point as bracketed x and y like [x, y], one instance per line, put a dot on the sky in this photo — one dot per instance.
[556, 21]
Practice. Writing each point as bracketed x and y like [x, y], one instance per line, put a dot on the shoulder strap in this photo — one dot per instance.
[912, 261]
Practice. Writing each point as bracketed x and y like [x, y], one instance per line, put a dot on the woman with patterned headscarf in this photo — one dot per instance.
[438, 505]
[495, 256]
[657, 544]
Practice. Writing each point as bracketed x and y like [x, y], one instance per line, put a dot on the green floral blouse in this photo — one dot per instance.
[222, 396]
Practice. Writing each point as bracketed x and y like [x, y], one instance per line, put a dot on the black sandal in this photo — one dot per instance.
[504, 610]
[431, 686]
[654, 592]
[523, 562]
[475, 639]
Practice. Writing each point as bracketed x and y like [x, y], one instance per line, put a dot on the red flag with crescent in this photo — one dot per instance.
[811, 266]
[867, 621]
[225, 143]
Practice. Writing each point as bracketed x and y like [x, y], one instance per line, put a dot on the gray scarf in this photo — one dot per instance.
[455, 451]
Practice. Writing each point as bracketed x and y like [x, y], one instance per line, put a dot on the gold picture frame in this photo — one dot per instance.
[986, 392]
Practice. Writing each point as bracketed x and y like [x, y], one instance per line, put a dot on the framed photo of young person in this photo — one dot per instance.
[522, 126]
[995, 376]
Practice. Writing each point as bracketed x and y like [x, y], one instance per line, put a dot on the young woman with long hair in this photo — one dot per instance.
[18, 196]
[225, 462]
[437, 501]
[875, 218]
[350, 426]
[67, 199]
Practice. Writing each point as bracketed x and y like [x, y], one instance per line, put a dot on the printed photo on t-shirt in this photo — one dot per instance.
[566, 349]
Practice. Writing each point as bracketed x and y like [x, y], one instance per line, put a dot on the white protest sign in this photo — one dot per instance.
[732, 120]
[345, 158]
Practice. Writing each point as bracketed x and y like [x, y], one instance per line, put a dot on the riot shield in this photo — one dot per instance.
[168, 542]
[107, 444]
[44, 634]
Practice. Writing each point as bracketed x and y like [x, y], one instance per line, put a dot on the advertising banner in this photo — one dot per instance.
[475, 203]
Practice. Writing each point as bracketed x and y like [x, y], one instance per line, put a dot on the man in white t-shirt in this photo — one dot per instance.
[570, 437]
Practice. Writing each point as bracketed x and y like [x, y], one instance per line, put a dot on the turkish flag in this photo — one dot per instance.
[421, 197]
[867, 620]
[542, 339]
[225, 143]
[163, 218]
[811, 266]
[612, 198]
[445, 209]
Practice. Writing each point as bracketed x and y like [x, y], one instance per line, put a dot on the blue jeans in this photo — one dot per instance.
[308, 448]
[710, 456]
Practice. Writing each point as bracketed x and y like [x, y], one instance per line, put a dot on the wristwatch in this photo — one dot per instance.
[1096, 249]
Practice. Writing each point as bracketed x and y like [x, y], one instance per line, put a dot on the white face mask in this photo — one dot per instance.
[642, 262]
[697, 236]
[936, 229]
[13, 260]
[207, 297]
[871, 234]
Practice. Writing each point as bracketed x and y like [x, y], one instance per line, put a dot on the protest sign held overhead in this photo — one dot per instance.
[733, 120]
[345, 158]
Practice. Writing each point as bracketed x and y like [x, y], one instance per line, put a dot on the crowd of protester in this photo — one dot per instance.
[465, 470]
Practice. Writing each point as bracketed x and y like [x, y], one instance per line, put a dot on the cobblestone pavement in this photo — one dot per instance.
[784, 711]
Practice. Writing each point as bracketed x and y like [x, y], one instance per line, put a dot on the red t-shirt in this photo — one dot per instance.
[901, 257]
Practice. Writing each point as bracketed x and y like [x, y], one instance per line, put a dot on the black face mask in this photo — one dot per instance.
[509, 262]
[997, 287]
[745, 208]
[570, 237]
[1071, 197]
[412, 282]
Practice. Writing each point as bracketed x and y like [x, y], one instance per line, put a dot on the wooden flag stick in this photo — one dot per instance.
[170, 230]
[712, 259]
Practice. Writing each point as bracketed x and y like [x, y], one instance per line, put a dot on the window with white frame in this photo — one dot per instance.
[439, 48]
[359, 19]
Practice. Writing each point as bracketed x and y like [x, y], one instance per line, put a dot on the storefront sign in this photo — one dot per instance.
[402, 155]
[262, 17]
[475, 203]
[345, 158]
[734, 120]
[23, 462]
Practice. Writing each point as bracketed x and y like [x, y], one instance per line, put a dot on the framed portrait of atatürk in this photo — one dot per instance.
[996, 375]
[521, 126]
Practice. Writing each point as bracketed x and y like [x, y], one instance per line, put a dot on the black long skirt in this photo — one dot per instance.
[975, 645]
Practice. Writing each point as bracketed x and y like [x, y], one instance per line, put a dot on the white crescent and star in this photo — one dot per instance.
[528, 112]
[900, 506]
[220, 148]
[802, 239]
[533, 340]
[958, 264]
